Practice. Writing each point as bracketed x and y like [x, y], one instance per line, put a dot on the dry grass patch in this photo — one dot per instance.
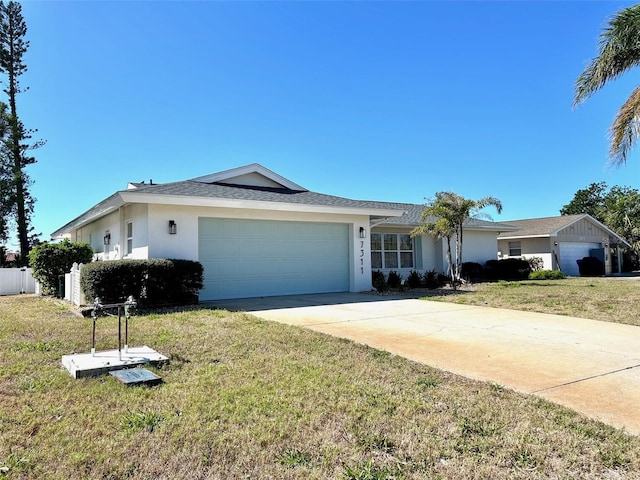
[244, 398]
[607, 299]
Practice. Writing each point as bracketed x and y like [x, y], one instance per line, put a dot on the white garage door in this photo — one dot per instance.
[572, 251]
[256, 258]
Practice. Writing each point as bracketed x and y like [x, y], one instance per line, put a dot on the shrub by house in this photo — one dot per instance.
[151, 282]
[51, 260]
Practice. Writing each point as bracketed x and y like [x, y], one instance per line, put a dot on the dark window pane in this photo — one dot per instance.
[376, 241]
[390, 260]
[406, 259]
[390, 241]
[406, 242]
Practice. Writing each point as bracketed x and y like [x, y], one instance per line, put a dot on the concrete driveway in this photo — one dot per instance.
[590, 366]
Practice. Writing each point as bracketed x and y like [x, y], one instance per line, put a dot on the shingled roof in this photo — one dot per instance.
[540, 227]
[260, 191]
[550, 226]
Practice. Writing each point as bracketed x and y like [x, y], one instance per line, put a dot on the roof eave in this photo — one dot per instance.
[188, 200]
[82, 220]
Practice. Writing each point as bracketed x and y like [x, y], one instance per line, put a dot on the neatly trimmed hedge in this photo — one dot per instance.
[507, 269]
[50, 261]
[471, 271]
[547, 275]
[151, 282]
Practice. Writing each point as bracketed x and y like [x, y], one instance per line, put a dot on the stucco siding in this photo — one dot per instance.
[138, 214]
[184, 244]
[94, 234]
[478, 246]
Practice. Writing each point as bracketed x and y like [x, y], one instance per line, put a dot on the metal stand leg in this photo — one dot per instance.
[126, 333]
[93, 339]
[119, 333]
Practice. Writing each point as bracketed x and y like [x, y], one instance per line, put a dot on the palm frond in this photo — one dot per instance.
[625, 129]
[618, 51]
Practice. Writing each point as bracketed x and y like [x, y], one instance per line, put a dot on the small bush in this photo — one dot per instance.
[151, 282]
[414, 280]
[471, 271]
[547, 275]
[432, 279]
[535, 263]
[590, 267]
[507, 269]
[394, 279]
[51, 260]
[378, 281]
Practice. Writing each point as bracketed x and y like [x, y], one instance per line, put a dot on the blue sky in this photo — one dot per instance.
[386, 101]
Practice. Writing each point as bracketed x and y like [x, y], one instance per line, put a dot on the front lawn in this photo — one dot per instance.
[245, 398]
[607, 299]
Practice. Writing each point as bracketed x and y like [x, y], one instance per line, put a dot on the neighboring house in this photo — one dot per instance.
[561, 241]
[257, 233]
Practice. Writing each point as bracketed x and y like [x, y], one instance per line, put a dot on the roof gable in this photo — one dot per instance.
[253, 175]
[552, 226]
[541, 227]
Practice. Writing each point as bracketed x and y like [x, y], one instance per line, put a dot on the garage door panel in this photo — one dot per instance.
[246, 258]
[570, 252]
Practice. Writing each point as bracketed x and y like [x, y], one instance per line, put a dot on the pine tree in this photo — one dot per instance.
[12, 48]
[6, 203]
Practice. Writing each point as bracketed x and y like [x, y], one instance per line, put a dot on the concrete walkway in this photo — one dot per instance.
[590, 366]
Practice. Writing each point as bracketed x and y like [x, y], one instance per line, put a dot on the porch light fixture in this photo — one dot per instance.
[363, 233]
[173, 227]
[107, 239]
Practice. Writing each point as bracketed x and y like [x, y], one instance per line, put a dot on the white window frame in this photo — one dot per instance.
[128, 230]
[515, 246]
[386, 254]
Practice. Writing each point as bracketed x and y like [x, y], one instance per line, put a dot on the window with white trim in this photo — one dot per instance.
[129, 230]
[515, 249]
[391, 250]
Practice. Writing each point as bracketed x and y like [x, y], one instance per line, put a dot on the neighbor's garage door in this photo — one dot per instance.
[572, 251]
[255, 258]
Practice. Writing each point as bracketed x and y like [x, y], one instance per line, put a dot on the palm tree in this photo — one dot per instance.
[444, 218]
[618, 51]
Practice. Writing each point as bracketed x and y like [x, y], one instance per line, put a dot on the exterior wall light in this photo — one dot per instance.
[107, 239]
[363, 233]
[173, 227]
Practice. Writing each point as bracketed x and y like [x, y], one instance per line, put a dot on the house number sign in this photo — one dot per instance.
[362, 256]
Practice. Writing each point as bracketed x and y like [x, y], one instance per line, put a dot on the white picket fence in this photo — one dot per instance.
[72, 291]
[16, 280]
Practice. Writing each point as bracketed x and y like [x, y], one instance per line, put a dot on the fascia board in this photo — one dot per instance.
[492, 228]
[185, 200]
[77, 223]
[519, 237]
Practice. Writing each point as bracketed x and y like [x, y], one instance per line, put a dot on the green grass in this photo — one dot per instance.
[607, 299]
[244, 398]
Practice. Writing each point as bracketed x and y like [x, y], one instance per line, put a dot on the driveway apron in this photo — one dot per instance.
[590, 366]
